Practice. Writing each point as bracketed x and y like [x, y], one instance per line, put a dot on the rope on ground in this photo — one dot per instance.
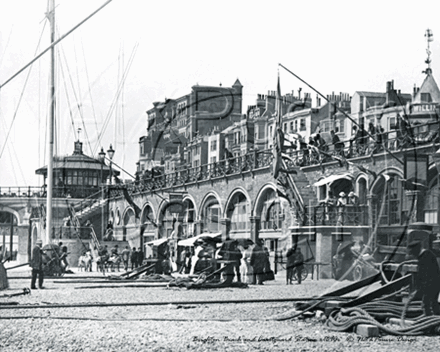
[292, 314]
[348, 318]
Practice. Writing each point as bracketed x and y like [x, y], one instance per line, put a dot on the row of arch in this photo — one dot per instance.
[212, 213]
[273, 212]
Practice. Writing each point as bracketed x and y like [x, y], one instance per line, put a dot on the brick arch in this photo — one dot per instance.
[210, 198]
[205, 199]
[258, 205]
[15, 213]
[234, 192]
[393, 170]
[161, 212]
[193, 201]
[124, 214]
[144, 211]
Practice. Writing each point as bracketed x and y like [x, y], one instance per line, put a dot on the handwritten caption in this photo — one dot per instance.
[300, 338]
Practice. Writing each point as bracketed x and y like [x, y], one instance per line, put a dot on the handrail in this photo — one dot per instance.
[394, 141]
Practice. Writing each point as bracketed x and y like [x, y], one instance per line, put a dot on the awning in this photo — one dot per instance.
[157, 242]
[189, 242]
[332, 178]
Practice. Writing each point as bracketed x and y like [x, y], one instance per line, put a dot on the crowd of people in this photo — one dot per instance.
[112, 258]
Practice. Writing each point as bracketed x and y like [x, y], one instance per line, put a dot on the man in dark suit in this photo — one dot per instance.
[37, 265]
[427, 279]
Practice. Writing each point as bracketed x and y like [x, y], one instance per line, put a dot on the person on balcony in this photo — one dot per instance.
[340, 206]
[338, 145]
[353, 202]
[359, 140]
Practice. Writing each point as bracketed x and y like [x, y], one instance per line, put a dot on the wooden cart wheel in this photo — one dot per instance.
[357, 273]
[304, 273]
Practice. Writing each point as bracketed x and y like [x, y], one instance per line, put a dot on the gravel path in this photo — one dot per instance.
[176, 327]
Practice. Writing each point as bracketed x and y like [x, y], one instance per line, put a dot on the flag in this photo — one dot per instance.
[279, 109]
[130, 201]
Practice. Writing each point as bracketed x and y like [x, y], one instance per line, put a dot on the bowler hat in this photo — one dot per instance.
[414, 244]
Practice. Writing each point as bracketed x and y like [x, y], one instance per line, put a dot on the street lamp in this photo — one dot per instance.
[111, 153]
[102, 160]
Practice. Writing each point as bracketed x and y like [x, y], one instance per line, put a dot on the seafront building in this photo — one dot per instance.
[206, 167]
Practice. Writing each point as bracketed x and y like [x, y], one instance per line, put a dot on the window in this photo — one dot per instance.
[431, 204]
[212, 219]
[291, 126]
[213, 145]
[426, 97]
[274, 219]
[296, 126]
[389, 213]
[302, 124]
[237, 213]
[340, 125]
[393, 123]
[270, 131]
[285, 127]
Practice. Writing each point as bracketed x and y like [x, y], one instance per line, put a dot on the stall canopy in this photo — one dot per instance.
[189, 242]
[332, 178]
[157, 242]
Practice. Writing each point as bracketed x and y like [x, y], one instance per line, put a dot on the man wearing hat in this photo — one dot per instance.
[37, 265]
[427, 279]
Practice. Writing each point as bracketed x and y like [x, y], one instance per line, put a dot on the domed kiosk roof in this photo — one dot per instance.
[78, 161]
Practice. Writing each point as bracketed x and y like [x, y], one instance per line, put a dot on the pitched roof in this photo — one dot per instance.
[429, 85]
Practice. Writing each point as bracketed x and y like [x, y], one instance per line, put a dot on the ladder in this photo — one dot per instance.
[76, 223]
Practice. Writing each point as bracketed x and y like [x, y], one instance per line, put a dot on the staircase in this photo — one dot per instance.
[94, 239]
[304, 193]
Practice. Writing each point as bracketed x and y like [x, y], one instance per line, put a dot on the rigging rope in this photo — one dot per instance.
[53, 44]
[112, 107]
[21, 96]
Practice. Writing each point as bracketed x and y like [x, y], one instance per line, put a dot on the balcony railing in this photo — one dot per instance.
[330, 215]
[393, 141]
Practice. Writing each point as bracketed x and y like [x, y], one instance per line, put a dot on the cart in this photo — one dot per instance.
[52, 265]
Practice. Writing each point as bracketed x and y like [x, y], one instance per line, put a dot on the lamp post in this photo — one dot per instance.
[111, 153]
[102, 159]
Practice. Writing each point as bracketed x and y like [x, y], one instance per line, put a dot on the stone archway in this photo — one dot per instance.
[210, 215]
[129, 231]
[9, 237]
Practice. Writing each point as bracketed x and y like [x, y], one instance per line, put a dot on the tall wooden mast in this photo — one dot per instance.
[50, 125]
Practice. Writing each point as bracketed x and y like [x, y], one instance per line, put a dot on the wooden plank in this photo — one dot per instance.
[386, 289]
[354, 286]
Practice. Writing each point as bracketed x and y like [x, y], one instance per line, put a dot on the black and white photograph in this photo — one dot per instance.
[219, 176]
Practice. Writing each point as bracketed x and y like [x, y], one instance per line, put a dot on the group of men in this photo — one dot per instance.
[136, 257]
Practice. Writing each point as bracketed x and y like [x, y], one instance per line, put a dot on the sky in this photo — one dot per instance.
[133, 53]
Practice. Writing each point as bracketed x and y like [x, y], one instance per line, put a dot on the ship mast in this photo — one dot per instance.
[51, 120]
